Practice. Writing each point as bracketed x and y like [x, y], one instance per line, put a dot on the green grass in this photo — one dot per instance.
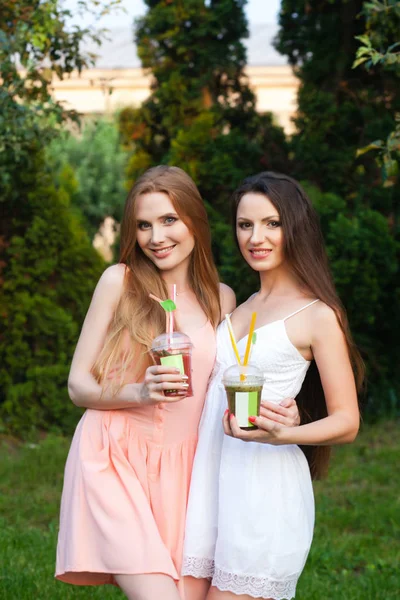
[355, 553]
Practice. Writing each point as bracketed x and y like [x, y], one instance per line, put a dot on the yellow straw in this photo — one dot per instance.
[232, 336]
[250, 338]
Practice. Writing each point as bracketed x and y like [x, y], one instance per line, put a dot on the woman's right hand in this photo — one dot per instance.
[158, 379]
[84, 389]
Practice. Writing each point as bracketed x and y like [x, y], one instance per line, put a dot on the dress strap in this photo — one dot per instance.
[300, 309]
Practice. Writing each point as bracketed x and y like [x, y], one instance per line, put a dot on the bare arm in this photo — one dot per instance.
[342, 423]
[337, 378]
[83, 388]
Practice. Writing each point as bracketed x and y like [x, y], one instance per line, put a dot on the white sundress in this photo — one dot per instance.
[250, 518]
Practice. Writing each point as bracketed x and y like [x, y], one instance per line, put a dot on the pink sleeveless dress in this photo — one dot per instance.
[126, 484]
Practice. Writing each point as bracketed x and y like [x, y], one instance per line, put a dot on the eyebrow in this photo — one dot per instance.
[265, 218]
[161, 217]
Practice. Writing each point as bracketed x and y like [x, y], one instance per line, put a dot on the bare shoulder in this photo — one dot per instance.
[114, 275]
[111, 282]
[324, 320]
[227, 298]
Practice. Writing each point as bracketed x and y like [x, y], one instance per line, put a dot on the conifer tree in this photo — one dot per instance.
[340, 109]
[201, 113]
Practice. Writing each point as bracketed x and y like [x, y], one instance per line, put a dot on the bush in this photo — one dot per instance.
[362, 253]
[50, 275]
[48, 266]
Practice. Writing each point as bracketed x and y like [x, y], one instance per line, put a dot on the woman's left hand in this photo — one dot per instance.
[285, 413]
[273, 420]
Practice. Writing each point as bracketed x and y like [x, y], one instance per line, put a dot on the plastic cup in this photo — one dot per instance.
[174, 350]
[243, 386]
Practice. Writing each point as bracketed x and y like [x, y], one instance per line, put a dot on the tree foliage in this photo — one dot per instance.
[377, 49]
[91, 167]
[50, 275]
[342, 109]
[201, 113]
[363, 256]
[48, 266]
[339, 109]
[35, 44]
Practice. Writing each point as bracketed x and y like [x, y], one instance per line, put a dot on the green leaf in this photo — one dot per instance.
[168, 305]
[376, 58]
[392, 58]
[359, 62]
[364, 39]
[363, 50]
[377, 145]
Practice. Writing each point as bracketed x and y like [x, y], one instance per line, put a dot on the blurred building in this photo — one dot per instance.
[117, 80]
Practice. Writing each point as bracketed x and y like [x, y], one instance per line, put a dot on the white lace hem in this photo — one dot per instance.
[201, 568]
[256, 587]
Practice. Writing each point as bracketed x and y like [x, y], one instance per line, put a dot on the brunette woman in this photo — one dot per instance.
[251, 507]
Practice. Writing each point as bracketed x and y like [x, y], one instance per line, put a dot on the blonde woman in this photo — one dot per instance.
[128, 470]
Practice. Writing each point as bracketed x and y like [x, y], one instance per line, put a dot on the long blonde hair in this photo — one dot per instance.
[136, 316]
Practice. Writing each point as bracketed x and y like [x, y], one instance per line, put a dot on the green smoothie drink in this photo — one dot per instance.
[243, 386]
[174, 350]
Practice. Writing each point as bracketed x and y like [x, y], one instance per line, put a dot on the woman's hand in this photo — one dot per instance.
[285, 413]
[158, 379]
[273, 419]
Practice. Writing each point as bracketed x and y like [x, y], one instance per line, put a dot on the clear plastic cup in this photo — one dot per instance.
[174, 350]
[243, 386]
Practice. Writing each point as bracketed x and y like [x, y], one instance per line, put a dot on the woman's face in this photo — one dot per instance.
[259, 232]
[161, 234]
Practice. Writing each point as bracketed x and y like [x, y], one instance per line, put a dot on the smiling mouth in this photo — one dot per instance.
[160, 252]
[260, 253]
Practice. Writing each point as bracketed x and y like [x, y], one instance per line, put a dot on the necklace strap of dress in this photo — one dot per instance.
[300, 309]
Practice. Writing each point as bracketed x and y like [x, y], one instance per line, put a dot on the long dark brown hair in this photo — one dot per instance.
[137, 319]
[304, 251]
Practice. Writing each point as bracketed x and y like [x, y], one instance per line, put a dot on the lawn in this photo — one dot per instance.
[355, 554]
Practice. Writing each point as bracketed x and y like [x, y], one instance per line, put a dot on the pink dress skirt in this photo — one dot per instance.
[126, 484]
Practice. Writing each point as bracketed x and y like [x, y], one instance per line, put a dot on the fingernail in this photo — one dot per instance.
[226, 412]
[231, 416]
[177, 371]
[185, 385]
[252, 419]
[185, 377]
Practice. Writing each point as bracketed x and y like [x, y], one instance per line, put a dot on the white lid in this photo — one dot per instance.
[174, 340]
[243, 375]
